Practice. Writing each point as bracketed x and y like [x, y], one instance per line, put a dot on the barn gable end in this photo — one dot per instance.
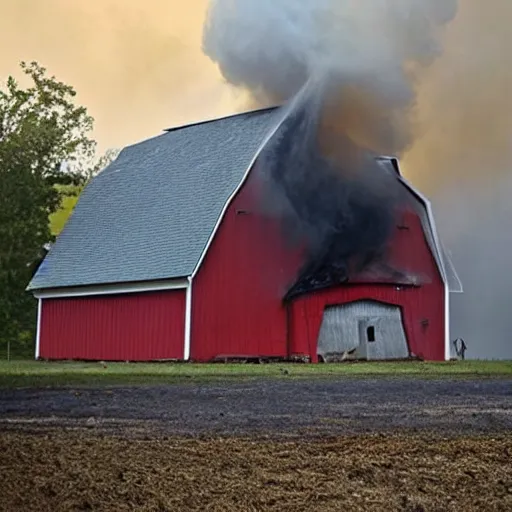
[238, 291]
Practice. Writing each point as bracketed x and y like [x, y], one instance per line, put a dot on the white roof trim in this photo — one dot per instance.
[112, 289]
[221, 118]
[269, 136]
[437, 242]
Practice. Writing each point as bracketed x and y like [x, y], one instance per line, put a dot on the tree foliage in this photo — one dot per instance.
[40, 129]
[94, 168]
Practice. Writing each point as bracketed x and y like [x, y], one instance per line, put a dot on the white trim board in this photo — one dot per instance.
[447, 343]
[112, 289]
[188, 321]
[38, 328]
[439, 257]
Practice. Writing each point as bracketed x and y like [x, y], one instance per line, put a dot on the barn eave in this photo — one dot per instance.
[111, 289]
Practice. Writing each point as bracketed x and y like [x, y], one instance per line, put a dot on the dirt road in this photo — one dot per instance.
[274, 407]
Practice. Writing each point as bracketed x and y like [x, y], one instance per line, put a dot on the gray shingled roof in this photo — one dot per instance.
[149, 215]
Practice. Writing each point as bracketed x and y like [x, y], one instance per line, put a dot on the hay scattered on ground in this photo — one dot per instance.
[77, 470]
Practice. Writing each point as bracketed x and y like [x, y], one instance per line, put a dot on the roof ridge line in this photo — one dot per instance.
[214, 119]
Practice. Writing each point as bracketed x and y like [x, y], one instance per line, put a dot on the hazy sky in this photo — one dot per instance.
[137, 66]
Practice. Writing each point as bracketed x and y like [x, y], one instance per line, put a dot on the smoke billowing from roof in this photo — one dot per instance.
[370, 50]
[346, 71]
[339, 206]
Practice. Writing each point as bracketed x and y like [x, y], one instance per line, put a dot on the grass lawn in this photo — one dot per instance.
[40, 374]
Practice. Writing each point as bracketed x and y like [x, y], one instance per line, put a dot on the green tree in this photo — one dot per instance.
[40, 129]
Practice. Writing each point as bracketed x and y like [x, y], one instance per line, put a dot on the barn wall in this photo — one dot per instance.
[134, 327]
[236, 304]
[426, 341]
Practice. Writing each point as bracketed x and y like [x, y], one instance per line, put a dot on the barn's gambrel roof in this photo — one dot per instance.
[151, 213]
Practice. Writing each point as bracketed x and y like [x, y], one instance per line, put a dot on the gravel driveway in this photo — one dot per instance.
[275, 407]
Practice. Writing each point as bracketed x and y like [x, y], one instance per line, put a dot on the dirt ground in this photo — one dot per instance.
[369, 445]
[276, 407]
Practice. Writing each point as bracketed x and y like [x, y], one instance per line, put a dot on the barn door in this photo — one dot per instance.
[369, 329]
[338, 335]
[389, 340]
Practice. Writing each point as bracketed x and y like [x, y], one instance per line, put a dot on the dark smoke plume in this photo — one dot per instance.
[342, 211]
[345, 72]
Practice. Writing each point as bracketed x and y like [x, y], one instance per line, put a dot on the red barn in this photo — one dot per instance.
[168, 256]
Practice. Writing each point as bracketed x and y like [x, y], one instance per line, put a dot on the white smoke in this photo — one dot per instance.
[369, 49]
[352, 64]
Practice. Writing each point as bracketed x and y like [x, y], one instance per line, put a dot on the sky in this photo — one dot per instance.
[137, 66]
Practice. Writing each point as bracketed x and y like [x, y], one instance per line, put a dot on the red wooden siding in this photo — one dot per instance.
[236, 298]
[131, 327]
[425, 340]
[237, 308]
